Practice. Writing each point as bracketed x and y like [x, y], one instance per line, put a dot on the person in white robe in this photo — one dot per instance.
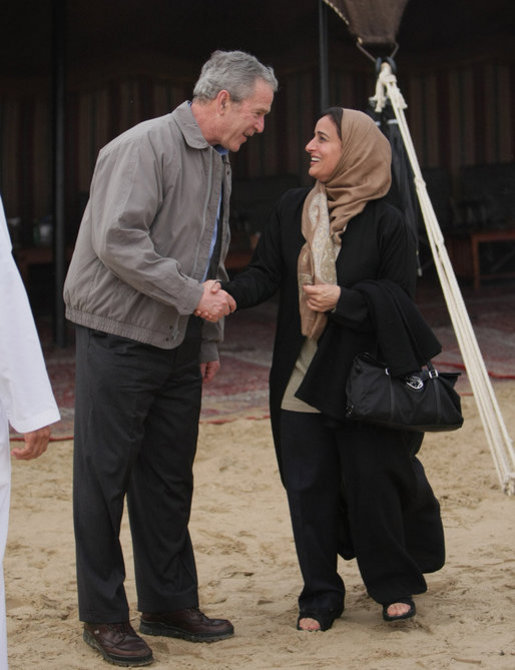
[26, 399]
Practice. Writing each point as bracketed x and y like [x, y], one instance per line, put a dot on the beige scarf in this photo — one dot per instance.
[363, 173]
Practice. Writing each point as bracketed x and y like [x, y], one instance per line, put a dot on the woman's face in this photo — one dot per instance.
[325, 149]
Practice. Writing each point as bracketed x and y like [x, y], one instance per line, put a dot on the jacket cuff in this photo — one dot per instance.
[208, 351]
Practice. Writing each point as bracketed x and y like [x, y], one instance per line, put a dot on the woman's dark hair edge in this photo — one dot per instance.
[336, 115]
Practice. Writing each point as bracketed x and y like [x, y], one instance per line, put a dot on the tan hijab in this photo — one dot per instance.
[362, 174]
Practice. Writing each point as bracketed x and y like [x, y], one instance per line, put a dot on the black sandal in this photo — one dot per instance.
[398, 617]
[325, 619]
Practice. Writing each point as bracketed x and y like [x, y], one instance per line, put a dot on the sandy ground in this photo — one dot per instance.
[248, 570]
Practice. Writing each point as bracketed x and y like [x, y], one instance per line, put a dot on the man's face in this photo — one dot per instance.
[241, 120]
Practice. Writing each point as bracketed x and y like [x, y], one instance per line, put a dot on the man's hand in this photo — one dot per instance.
[215, 302]
[208, 370]
[36, 443]
[322, 297]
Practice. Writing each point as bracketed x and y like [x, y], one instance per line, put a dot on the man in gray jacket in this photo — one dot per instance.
[150, 246]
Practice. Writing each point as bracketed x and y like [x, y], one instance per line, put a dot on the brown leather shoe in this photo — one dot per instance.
[189, 624]
[118, 643]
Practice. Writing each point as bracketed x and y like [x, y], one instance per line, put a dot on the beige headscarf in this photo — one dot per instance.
[363, 173]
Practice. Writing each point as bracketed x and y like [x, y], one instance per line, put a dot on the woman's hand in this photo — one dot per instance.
[322, 297]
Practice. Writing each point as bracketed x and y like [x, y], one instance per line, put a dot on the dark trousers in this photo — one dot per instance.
[358, 490]
[136, 425]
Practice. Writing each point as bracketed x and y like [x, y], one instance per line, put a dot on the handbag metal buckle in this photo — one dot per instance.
[432, 371]
[414, 382]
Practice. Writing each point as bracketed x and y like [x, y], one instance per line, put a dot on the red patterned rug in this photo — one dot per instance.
[240, 390]
[491, 311]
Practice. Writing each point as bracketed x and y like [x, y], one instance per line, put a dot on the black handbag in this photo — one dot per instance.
[425, 401]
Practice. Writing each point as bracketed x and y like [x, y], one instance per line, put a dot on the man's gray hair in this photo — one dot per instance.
[233, 71]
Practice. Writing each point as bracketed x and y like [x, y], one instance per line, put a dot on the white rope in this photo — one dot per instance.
[500, 443]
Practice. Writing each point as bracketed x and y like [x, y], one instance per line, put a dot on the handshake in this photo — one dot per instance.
[215, 302]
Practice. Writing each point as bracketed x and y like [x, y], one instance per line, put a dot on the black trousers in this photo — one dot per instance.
[358, 490]
[136, 426]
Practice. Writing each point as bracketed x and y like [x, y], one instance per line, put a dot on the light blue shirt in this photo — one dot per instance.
[222, 152]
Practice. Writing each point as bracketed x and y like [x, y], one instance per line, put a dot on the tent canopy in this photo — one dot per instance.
[278, 31]
[373, 22]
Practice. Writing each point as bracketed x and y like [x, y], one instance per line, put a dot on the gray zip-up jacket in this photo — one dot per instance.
[144, 240]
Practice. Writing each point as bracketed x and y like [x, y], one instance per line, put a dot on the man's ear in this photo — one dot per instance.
[223, 99]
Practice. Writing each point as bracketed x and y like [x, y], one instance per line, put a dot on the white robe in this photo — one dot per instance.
[26, 398]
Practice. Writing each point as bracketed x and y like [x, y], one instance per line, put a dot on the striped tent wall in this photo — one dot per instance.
[25, 157]
[95, 117]
[463, 117]
[459, 116]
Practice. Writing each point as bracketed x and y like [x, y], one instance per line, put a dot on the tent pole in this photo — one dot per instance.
[501, 444]
[58, 103]
[323, 55]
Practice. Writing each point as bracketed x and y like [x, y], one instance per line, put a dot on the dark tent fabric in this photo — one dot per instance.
[372, 22]
[402, 192]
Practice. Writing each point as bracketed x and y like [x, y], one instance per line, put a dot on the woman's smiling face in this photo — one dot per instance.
[325, 149]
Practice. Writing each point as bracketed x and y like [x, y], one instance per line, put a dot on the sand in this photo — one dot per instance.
[248, 570]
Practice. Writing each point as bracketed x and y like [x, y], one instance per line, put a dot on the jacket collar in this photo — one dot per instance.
[189, 127]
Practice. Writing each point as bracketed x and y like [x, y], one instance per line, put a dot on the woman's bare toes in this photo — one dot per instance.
[398, 609]
[309, 624]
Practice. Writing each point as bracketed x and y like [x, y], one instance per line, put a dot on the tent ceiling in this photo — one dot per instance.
[191, 29]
